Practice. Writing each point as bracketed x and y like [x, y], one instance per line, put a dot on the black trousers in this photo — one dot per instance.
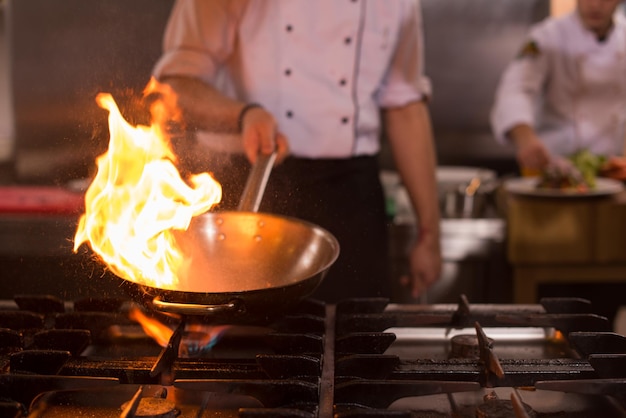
[343, 196]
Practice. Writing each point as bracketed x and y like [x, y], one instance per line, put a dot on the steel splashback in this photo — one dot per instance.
[62, 54]
[468, 44]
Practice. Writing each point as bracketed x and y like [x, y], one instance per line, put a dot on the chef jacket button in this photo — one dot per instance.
[344, 120]
[289, 114]
[288, 72]
[288, 28]
[342, 82]
[347, 40]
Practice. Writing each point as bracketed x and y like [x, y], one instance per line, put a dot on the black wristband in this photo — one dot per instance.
[242, 114]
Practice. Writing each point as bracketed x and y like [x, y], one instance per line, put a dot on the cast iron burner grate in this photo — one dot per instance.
[552, 359]
[358, 358]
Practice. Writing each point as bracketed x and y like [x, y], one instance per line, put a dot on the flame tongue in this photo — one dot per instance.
[137, 199]
[197, 340]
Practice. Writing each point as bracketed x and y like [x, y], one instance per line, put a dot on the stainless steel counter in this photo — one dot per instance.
[37, 235]
[36, 257]
[466, 238]
[6, 109]
[474, 261]
[36, 254]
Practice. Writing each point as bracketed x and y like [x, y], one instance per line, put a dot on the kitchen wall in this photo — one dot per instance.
[468, 44]
[63, 52]
[6, 108]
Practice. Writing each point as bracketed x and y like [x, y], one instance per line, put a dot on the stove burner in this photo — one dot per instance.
[155, 408]
[355, 359]
[465, 346]
[503, 408]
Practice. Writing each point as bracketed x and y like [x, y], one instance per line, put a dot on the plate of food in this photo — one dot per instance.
[531, 186]
[574, 176]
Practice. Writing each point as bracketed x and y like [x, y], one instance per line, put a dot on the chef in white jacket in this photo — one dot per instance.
[566, 89]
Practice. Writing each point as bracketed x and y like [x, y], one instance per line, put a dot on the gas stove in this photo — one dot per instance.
[357, 358]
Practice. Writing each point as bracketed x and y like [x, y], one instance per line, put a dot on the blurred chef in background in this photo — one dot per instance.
[566, 90]
[312, 79]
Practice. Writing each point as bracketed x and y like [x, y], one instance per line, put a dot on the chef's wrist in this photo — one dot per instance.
[426, 233]
[242, 114]
[522, 135]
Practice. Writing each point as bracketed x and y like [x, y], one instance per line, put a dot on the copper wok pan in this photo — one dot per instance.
[244, 266]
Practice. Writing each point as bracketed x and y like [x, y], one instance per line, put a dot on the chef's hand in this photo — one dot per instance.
[259, 133]
[532, 155]
[424, 264]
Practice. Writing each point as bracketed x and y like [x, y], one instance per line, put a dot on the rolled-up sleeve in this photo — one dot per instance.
[519, 93]
[405, 81]
[198, 37]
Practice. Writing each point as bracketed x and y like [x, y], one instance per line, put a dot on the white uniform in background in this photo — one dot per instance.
[568, 85]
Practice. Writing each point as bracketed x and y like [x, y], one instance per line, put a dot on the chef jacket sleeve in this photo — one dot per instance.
[200, 34]
[519, 92]
[404, 80]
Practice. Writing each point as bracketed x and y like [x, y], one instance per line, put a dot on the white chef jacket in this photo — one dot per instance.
[572, 90]
[323, 68]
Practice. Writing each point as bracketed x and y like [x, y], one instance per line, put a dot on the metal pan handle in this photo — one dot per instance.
[195, 308]
[256, 182]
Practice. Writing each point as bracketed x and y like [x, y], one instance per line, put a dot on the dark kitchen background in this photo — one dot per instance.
[57, 55]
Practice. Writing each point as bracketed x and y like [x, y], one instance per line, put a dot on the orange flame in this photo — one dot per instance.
[199, 337]
[138, 198]
[158, 331]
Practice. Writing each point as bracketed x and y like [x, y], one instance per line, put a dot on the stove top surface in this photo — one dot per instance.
[362, 357]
